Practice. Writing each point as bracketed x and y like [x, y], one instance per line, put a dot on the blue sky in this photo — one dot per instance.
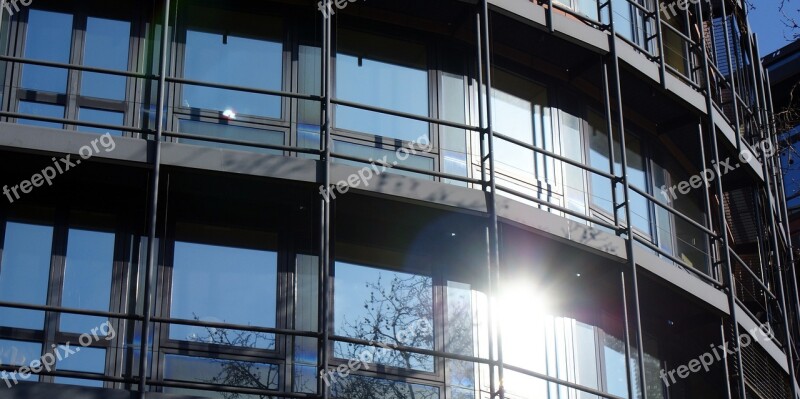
[768, 24]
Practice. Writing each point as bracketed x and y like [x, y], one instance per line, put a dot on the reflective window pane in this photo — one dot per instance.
[87, 278]
[106, 47]
[521, 112]
[49, 37]
[25, 273]
[355, 386]
[233, 59]
[100, 116]
[19, 353]
[88, 360]
[224, 285]
[40, 109]
[387, 306]
[391, 158]
[231, 373]
[231, 132]
[384, 73]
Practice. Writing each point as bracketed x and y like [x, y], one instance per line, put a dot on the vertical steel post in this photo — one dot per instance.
[768, 179]
[796, 296]
[494, 239]
[629, 240]
[662, 68]
[723, 224]
[325, 204]
[153, 204]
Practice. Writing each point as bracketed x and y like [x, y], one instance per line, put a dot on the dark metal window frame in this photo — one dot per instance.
[50, 334]
[72, 100]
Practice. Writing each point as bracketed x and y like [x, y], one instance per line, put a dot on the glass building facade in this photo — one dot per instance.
[564, 199]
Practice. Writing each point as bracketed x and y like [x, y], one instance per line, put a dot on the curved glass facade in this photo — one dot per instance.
[568, 200]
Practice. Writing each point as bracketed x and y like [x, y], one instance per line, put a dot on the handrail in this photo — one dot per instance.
[669, 209]
[688, 267]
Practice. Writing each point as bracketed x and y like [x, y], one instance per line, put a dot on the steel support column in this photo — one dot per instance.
[768, 180]
[723, 224]
[484, 48]
[152, 219]
[325, 204]
[629, 240]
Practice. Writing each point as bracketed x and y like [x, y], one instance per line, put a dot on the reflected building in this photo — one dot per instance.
[566, 199]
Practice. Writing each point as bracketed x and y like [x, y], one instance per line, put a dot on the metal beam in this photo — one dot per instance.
[153, 204]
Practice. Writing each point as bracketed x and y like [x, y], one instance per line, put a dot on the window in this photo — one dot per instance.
[230, 373]
[33, 271]
[106, 47]
[25, 273]
[521, 112]
[637, 176]
[587, 8]
[236, 59]
[392, 307]
[386, 73]
[78, 39]
[87, 278]
[223, 284]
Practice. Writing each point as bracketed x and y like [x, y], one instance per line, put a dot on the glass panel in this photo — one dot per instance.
[614, 356]
[88, 360]
[637, 176]
[40, 109]
[572, 148]
[231, 373]
[356, 386]
[18, 353]
[49, 38]
[306, 317]
[601, 195]
[25, 273]
[459, 335]
[233, 59]
[384, 73]
[310, 68]
[521, 112]
[385, 306]
[454, 141]
[225, 285]
[231, 132]
[87, 278]
[106, 47]
[381, 156]
[100, 116]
